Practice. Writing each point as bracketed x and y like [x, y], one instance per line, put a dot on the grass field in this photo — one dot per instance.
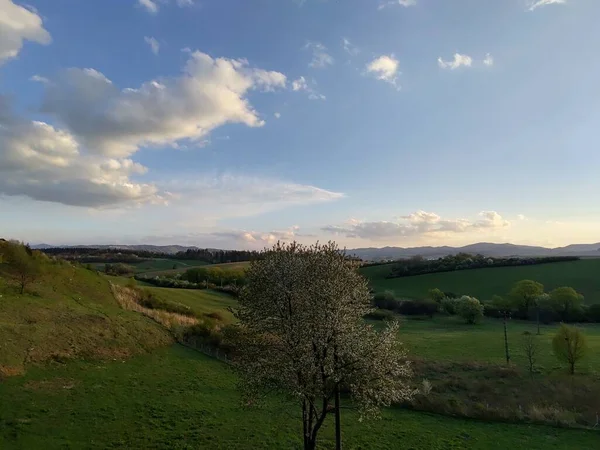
[450, 339]
[583, 275]
[179, 399]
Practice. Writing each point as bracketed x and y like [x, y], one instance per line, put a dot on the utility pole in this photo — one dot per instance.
[506, 340]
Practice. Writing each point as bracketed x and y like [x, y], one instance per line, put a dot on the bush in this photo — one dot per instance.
[385, 300]
[592, 313]
[418, 308]
[449, 305]
[470, 309]
[436, 295]
[380, 314]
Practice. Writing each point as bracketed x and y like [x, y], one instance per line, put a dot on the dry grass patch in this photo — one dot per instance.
[128, 299]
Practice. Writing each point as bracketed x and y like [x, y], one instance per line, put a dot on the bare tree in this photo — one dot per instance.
[303, 333]
[530, 347]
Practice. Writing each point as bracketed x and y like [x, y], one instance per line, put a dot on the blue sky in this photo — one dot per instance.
[235, 123]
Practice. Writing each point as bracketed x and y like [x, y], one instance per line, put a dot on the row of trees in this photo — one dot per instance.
[124, 255]
[215, 275]
[469, 308]
[462, 261]
[527, 300]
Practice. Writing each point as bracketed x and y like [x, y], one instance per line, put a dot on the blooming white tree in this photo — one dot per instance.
[303, 333]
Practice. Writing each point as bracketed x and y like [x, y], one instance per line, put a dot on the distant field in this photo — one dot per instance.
[450, 339]
[159, 266]
[177, 398]
[583, 275]
[191, 264]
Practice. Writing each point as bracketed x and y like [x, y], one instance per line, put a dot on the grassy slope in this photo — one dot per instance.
[200, 301]
[187, 400]
[583, 275]
[70, 313]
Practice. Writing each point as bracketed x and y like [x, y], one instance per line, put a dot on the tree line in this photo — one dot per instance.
[463, 261]
[117, 255]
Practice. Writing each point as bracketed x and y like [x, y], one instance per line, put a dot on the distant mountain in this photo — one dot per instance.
[169, 249]
[483, 248]
[392, 253]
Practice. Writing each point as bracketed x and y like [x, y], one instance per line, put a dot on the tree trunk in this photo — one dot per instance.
[338, 420]
[572, 368]
[538, 320]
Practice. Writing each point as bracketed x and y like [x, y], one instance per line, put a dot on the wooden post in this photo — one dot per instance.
[338, 420]
[506, 340]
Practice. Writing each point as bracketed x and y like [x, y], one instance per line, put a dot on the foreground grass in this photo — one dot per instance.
[176, 398]
[485, 283]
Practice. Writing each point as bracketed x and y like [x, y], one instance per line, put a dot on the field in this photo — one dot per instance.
[177, 398]
[151, 267]
[583, 275]
[450, 339]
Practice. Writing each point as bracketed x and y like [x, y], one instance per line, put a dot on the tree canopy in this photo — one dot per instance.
[303, 332]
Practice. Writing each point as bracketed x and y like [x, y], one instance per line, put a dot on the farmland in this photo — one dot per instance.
[583, 275]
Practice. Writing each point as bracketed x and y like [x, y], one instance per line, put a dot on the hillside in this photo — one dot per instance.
[69, 313]
[583, 275]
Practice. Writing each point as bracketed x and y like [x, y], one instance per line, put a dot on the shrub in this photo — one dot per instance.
[449, 305]
[385, 300]
[593, 313]
[436, 295]
[418, 308]
[470, 309]
[380, 314]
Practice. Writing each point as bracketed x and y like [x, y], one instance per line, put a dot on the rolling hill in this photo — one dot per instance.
[583, 275]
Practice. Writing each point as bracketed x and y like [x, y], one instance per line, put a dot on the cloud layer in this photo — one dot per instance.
[416, 224]
[18, 24]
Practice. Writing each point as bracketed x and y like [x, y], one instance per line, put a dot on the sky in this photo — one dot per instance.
[238, 123]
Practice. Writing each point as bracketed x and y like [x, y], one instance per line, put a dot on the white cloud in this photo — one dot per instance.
[150, 5]
[521, 217]
[210, 92]
[18, 24]
[258, 237]
[489, 60]
[385, 68]
[153, 43]
[184, 3]
[39, 79]
[350, 48]
[458, 61]
[405, 3]
[420, 223]
[300, 84]
[277, 115]
[45, 163]
[538, 3]
[320, 58]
